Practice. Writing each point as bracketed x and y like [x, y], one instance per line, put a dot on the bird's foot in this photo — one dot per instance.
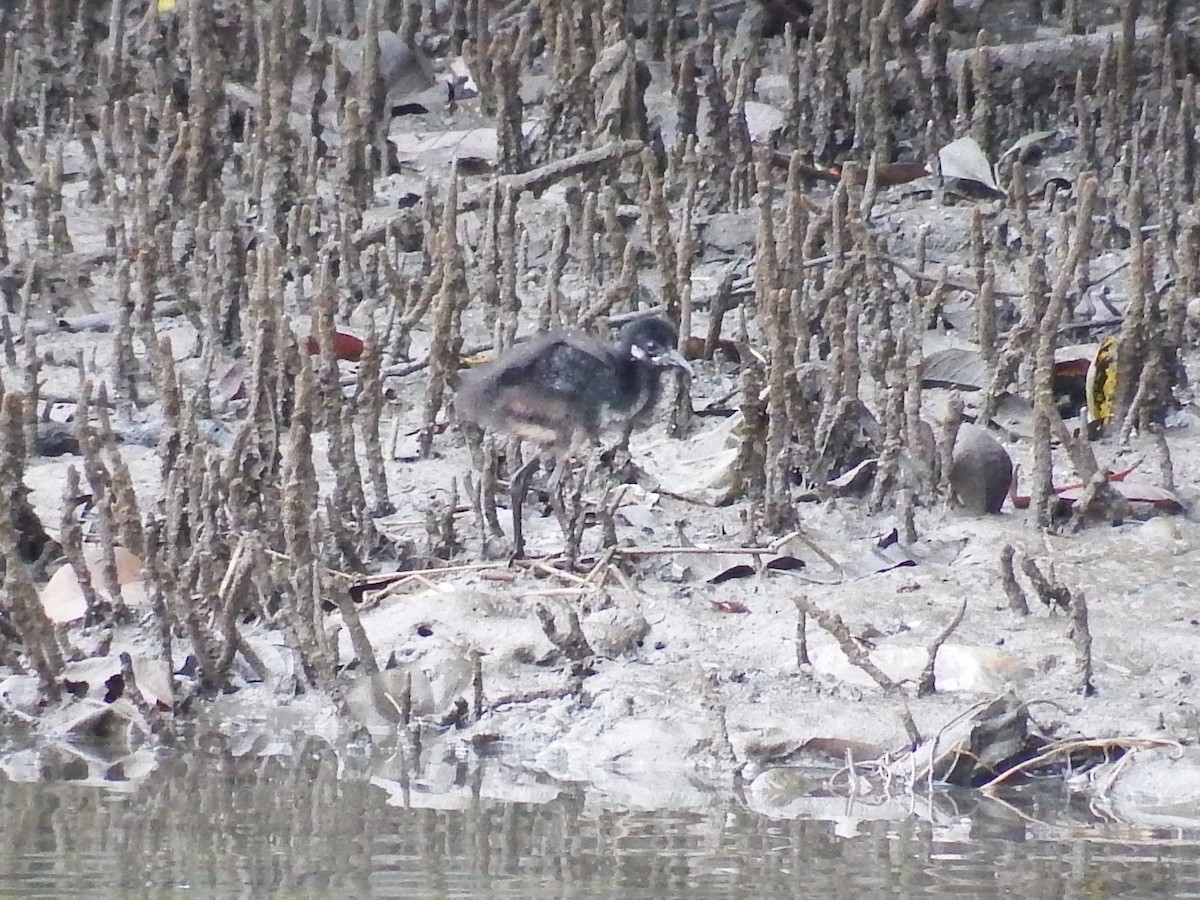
[618, 462]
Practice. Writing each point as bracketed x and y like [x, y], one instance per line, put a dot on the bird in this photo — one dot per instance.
[563, 387]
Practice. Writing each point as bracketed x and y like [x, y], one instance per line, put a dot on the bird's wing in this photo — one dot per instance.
[543, 377]
[558, 363]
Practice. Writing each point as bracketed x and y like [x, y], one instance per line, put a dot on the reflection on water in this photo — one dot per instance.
[208, 824]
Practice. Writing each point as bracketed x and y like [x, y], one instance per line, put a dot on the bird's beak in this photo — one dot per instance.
[675, 359]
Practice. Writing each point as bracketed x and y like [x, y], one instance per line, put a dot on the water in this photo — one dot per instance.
[207, 824]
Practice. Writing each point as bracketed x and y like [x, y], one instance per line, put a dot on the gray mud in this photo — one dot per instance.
[171, 186]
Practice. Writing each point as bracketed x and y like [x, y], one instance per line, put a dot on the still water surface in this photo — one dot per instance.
[208, 824]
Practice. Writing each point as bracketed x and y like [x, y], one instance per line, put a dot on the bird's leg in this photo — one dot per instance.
[617, 457]
[554, 485]
[564, 451]
[569, 508]
[518, 490]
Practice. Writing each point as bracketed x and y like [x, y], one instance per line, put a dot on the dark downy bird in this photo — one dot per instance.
[561, 388]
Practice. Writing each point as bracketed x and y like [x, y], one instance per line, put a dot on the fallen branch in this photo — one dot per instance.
[533, 180]
[101, 321]
[854, 652]
[1045, 62]
[928, 278]
[1051, 751]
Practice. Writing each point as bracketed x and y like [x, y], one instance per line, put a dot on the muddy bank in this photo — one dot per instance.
[246, 253]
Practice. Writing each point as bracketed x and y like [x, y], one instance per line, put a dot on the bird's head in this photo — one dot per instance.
[653, 340]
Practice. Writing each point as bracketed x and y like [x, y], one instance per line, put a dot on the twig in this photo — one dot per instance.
[402, 370]
[532, 696]
[928, 685]
[1057, 749]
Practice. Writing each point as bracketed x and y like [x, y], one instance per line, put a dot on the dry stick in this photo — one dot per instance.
[927, 685]
[854, 652]
[928, 278]
[1017, 601]
[92, 322]
[1051, 751]
[237, 571]
[532, 696]
[599, 573]
[253, 660]
[1132, 347]
[815, 548]
[1100, 496]
[71, 537]
[402, 371]
[1080, 451]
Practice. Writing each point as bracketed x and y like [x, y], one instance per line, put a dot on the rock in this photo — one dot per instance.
[981, 471]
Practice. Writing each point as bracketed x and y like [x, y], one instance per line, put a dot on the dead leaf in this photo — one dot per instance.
[855, 479]
[232, 384]
[965, 160]
[957, 368]
[642, 517]
[1133, 491]
[889, 553]
[892, 174]
[702, 469]
[729, 606]
[100, 678]
[346, 346]
[729, 573]
[62, 597]
[763, 121]
[1028, 140]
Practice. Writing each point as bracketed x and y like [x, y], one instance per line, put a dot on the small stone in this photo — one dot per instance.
[981, 472]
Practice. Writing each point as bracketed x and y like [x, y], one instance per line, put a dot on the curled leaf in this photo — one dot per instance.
[964, 159]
